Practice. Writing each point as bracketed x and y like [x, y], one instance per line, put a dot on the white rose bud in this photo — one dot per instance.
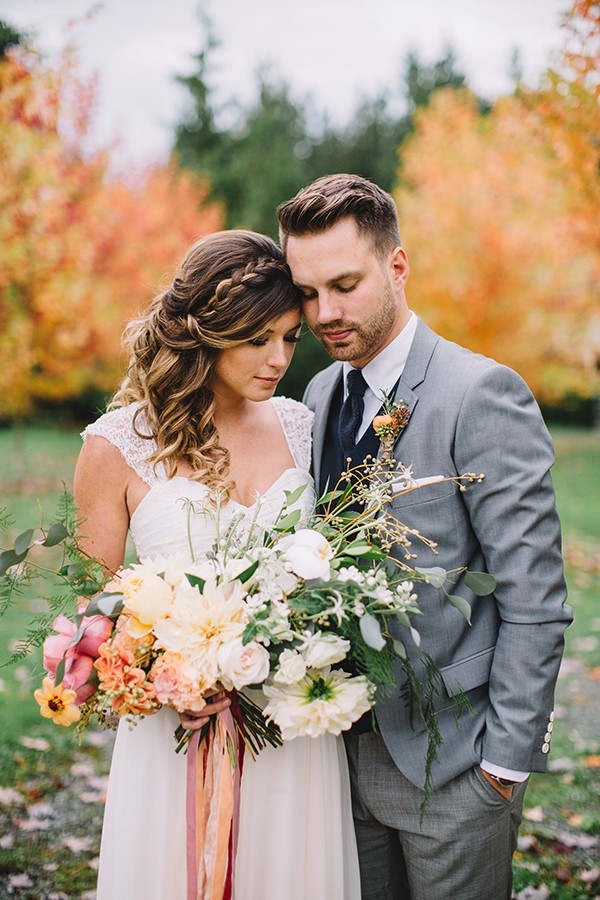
[321, 650]
[291, 669]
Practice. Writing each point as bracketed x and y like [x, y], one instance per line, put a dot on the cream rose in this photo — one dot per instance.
[242, 664]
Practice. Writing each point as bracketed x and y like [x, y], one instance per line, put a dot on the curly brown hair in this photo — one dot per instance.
[230, 286]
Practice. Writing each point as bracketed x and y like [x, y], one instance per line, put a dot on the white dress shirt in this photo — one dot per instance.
[382, 373]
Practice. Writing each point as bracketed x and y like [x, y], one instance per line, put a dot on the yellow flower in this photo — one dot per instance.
[57, 703]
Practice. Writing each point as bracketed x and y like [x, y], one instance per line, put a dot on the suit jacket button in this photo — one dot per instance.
[545, 748]
[550, 726]
[552, 716]
[548, 737]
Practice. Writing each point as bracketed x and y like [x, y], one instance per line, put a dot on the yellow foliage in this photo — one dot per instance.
[80, 252]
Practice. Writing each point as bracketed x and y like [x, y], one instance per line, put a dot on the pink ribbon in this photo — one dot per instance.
[212, 810]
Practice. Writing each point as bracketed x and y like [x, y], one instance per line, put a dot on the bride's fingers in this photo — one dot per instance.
[215, 704]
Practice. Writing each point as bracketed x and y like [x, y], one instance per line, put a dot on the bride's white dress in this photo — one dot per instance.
[296, 836]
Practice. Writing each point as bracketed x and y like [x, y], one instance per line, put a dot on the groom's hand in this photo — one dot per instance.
[506, 790]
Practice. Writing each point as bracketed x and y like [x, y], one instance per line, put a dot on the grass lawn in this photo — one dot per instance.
[45, 774]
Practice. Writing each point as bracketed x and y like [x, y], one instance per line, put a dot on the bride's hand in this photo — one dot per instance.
[215, 703]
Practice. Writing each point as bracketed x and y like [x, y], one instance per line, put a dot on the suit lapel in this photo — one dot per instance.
[415, 370]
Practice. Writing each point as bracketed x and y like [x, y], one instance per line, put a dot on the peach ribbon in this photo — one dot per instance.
[212, 810]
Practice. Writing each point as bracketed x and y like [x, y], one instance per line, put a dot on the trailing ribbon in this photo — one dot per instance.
[212, 809]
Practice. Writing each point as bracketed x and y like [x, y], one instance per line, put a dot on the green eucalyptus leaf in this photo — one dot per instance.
[23, 542]
[9, 558]
[56, 534]
[400, 649]
[371, 632]
[358, 549]
[415, 636]
[290, 521]
[403, 618]
[105, 604]
[292, 496]
[481, 583]
[59, 673]
[461, 605]
[435, 576]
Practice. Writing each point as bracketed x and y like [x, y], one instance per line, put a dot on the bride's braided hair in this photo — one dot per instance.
[228, 290]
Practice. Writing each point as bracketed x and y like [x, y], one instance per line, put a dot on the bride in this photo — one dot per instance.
[195, 417]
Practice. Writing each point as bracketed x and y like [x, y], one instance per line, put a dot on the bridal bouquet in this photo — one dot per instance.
[300, 611]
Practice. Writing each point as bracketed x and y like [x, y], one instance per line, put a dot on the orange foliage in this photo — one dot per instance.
[80, 252]
[499, 215]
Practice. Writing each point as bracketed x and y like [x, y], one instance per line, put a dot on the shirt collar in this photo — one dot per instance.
[382, 373]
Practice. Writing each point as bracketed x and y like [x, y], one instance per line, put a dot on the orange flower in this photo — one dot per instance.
[57, 703]
[124, 684]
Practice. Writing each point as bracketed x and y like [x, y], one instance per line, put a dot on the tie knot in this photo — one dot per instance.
[355, 383]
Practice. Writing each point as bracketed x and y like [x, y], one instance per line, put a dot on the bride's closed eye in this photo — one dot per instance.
[292, 338]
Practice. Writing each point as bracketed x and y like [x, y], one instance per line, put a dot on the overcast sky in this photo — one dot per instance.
[335, 51]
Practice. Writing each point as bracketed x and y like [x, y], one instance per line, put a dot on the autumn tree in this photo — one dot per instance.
[80, 251]
[499, 216]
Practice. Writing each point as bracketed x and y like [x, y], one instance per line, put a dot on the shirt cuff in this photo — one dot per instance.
[502, 772]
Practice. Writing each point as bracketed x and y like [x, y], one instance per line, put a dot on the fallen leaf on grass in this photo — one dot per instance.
[562, 875]
[534, 893]
[593, 761]
[534, 814]
[35, 743]
[19, 881]
[594, 673]
[590, 876]
[8, 796]
[575, 820]
[92, 797]
[579, 841]
[75, 844]
[562, 764]
[527, 843]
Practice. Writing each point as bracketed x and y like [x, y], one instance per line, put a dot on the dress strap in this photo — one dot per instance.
[134, 444]
[296, 420]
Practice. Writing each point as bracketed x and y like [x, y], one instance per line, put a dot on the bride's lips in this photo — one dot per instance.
[271, 382]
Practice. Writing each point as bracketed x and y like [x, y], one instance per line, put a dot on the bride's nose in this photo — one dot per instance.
[278, 356]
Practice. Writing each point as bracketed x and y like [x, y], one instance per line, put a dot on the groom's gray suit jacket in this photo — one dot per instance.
[470, 414]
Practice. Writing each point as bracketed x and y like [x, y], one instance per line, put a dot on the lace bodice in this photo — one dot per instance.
[178, 515]
[117, 427]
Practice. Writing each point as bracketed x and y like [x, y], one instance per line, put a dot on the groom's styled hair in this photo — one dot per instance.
[331, 198]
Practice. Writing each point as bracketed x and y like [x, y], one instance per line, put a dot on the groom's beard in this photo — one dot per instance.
[368, 335]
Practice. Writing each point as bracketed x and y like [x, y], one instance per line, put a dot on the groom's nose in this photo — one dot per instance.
[328, 307]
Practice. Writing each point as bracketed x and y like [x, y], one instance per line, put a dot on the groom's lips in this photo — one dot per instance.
[337, 336]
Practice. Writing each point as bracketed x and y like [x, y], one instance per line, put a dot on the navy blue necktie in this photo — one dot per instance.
[351, 413]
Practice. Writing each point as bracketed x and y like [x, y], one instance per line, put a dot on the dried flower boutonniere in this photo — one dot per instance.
[389, 423]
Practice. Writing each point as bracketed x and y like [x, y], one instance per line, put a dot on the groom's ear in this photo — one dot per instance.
[399, 267]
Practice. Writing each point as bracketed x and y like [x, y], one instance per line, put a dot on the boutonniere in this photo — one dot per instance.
[389, 423]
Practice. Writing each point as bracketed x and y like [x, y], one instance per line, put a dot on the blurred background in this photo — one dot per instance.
[128, 130]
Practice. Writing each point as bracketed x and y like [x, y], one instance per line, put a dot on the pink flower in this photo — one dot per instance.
[79, 659]
[176, 684]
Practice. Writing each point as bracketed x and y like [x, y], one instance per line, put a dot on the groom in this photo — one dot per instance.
[467, 414]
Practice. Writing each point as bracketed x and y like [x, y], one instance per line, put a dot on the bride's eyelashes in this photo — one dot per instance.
[291, 338]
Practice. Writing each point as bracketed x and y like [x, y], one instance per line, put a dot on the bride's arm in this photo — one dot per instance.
[100, 491]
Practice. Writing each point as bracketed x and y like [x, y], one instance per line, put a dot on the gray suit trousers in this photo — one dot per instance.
[461, 849]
